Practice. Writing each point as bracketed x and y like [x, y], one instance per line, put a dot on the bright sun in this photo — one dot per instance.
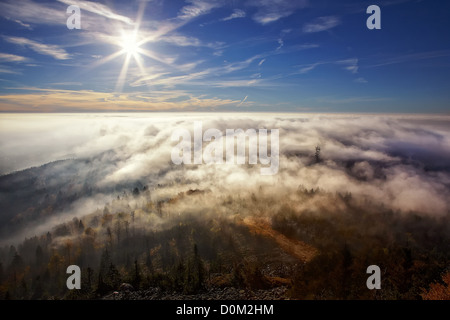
[130, 44]
[132, 47]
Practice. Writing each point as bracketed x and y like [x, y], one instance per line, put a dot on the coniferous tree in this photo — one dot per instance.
[195, 273]
[39, 256]
[137, 276]
[102, 288]
[317, 154]
[80, 227]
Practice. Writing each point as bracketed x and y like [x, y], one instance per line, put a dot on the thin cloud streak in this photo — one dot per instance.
[197, 8]
[32, 12]
[269, 11]
[99, 9]
[237, 13]
[411, 57]
[46, 49]
[6, 57]
[57, 100]
[321, 24]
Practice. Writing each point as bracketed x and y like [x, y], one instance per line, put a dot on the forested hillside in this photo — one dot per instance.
[189, 245]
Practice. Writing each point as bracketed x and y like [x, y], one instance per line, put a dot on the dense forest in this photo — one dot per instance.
[196, 240]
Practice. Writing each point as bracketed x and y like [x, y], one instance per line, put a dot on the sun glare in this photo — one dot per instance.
[129, 43]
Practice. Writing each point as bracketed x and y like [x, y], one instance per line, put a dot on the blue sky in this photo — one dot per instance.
[225, 55]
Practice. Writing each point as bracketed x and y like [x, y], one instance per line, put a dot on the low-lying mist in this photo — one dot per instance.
[401, 163]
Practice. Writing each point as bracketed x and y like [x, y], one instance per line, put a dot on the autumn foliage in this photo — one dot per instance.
[438, 291]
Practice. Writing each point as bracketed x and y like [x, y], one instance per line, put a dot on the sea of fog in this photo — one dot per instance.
[402, 161]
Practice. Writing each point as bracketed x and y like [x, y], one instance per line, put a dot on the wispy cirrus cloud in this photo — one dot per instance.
[310, 67]
[46, 49]
[67, 83]
[95, 16]
[99, 9]
[196, 8]
[50, 100]
[22, 24]
[25, 25]
[182, 41]
[187, 41]
[172, 80]
[6, 57]
[361, 80]
[412, 57]
[280, 44]
[235, 83]
[29, 11]
[269, 11]
[243, 100]
[350, 65]
[188, 74]
[237, 13]
[239, 65]
[8, 71]
[169, 79]
[321, 24]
